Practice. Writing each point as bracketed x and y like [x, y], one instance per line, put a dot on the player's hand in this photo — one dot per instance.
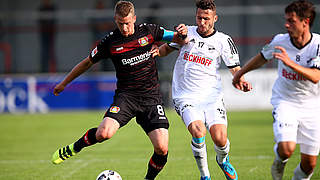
[154, 51]
[282, 55]
[245, 86]
[239, 83]
[58, 89]
[182, 29]
[182, 32]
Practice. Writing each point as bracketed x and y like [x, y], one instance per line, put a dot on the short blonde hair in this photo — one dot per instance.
[124, 8]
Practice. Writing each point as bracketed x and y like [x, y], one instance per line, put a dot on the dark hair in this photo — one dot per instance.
[304, 9]
[124, 8]
[206, 4]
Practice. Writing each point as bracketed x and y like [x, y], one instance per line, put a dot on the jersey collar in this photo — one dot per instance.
[304, 45]
[214, 32]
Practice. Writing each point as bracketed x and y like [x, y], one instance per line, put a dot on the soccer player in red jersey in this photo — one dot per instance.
[137, 94]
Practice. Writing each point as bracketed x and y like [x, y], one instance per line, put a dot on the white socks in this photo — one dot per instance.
[222, 152]
[300, 175]
[200, 154]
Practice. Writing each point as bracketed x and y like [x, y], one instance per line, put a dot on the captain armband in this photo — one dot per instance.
[167, 35]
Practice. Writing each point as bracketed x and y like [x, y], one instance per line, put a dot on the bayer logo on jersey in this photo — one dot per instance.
[109, 175]
[143, 41]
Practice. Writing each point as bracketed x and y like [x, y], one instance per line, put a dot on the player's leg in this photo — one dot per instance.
[216, 119]
[198, 146]
[285, 126]
[119, 114]
[159, 139]
[282, 151]
[309, 139]
[154, 122]
[218, 134]
[193, 117]
[106, 130]
[222, 147]
[305, 168]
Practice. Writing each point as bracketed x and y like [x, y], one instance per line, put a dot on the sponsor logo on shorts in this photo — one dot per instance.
[185, 106]
[287, 125]
[114, 109]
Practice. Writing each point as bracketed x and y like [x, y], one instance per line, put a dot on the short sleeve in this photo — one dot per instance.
[101, 51]
[230, 54]
[268, 49]
[156, 31]
[315, 63]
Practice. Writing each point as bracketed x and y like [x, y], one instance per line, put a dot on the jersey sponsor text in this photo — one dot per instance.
[197, 59]
[136, 59]
[293, 76]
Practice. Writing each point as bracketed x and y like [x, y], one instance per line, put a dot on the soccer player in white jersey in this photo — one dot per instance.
[197, 90]
[296, 92]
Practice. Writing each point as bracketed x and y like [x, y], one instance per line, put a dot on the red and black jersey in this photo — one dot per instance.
[136, 70]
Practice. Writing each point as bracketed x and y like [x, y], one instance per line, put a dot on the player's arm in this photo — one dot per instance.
[165, 49]
[80, 68]
[179, 37]
[243, 85]
[254, 63]
[312, 74]
[161, 51]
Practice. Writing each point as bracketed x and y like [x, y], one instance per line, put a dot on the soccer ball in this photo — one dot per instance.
[109, 175]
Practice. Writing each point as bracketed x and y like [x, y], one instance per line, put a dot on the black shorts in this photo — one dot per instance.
[149, 111]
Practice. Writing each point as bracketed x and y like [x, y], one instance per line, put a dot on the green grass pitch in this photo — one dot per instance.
[27, 142]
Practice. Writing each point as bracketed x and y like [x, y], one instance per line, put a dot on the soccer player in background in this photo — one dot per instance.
[296, 92]
[137, 94]
[197, 88]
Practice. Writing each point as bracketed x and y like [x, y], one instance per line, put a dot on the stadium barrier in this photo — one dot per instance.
[258, 98]
[33, 93]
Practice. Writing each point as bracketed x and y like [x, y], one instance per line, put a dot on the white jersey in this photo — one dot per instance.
[291, 86]
[196, 73]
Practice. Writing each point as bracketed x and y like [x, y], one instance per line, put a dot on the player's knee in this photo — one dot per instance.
[285, 150]
[198, 134]
[286, 153]
[220, 139]
[161, 150]
[218, 134]
[221, 142]
[197, 129]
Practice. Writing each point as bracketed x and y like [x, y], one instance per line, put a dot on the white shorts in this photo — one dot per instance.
[297, 124]
[209, 113]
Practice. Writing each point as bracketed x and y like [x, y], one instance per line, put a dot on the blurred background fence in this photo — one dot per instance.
[46, 38]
